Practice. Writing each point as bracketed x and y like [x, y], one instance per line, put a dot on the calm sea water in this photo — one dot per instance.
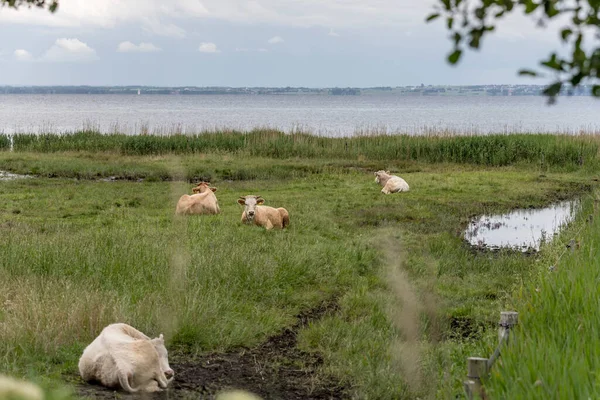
[325, 115]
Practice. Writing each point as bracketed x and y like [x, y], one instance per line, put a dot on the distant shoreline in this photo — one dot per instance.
[420, 90]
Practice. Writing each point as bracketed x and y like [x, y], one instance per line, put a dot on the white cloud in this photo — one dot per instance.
[23, 55]
[69, 50]
[333, 33]
[166, 18]
[276, 39]
[330, 13]
[156, 27]
[128, 47]
[208, 48]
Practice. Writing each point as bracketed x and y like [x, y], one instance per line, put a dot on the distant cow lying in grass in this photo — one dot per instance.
[265, 216]
[390, 183]
[11, 388]
[203, 201]
[123, 357]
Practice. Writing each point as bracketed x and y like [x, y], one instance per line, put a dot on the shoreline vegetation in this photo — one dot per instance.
[546, 150]
[91, 239]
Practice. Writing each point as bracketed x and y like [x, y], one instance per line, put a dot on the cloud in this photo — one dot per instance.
[23, 55]
[333, 33]
[69, 50]
[128, 47]
[156, 27]
[166, 18]
[208, 48]
[276, 39]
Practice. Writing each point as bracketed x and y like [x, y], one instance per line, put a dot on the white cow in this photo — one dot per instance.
[16, 389]
[203, 201]
[123, 357]
[390, 183]
[265, 216]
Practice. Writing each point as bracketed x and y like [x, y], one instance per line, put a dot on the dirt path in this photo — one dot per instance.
[277, 369]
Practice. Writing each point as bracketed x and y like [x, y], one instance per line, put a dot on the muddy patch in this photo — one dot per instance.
[7, 176]
[277, 369]
[522, 229]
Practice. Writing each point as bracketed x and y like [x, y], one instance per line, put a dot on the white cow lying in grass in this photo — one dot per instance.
[123, 357]
[390, 183]
[14, 389]
[265, 216]
[203, 201]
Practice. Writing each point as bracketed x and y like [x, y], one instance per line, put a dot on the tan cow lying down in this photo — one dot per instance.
[16, 389]
[123, 357]
[203, 201]
[257, 214]
[390, 183]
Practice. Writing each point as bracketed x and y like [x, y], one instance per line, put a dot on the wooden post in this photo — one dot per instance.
[508, 319]
[477, 368]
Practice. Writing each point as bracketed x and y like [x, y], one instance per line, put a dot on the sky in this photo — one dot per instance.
[274, 43]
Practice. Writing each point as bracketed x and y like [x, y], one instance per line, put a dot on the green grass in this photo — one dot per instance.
[415, 301]
[4, 142]
[555, 353]
[492, 150]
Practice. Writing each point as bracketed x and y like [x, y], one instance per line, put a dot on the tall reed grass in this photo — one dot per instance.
[4, 142]
[491, 150]
[555, 354]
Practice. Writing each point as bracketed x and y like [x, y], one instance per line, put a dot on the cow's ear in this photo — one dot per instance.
[213, 189]
[260, 200]
[242, 201]
[388, 172]
[195, 190]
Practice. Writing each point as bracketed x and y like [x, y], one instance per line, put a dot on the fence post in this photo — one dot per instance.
[477, 368]
[508, 319]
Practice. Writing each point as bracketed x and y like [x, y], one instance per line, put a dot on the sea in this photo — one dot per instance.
[325, 115]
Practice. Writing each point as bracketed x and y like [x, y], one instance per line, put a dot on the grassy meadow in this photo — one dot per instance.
[78, 252]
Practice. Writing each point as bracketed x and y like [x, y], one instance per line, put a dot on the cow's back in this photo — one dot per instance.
[201, 203]
[398, 184]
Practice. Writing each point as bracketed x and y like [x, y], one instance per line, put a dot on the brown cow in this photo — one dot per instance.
[265, 216]
[203, 201]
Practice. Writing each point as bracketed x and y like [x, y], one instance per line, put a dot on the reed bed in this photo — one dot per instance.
[4, 142]
[489, 150]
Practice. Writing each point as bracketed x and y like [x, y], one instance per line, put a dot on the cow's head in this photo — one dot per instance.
[163, 357]
[250, 203]
[381, 174]
[203, 187]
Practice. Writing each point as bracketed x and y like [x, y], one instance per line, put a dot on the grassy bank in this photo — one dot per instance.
[555, 354]
[491, 150]
[413, 300]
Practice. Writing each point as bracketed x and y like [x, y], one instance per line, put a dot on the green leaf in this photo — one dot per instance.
[553, 89]
[475, 38]
[565, 33]
[596, 90]
[527, 72]
[530, 6]
[454, 56]
[450, 22]
[432, 17]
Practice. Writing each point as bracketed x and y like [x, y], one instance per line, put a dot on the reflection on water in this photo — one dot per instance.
[521, 229]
